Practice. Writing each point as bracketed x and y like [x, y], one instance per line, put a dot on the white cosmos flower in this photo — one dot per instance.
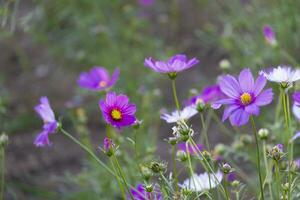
[200, 182]
[176, 116]
[282, 75]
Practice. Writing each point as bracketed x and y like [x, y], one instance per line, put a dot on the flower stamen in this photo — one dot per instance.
[102, 83]
[245, 98]
[116, 114]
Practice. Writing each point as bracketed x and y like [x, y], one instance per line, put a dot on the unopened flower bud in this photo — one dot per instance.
[181, 155]
[146, 172]
[108, 146]
[149, 188]
[220, 149]
[158, 167]
[172, 140]
[235, 183]
[3, 140]
[263, 133]
[226, 168]
[224, 64]
[276, 153]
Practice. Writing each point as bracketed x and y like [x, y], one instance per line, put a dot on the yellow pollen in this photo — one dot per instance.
[246, 98]
[102, 83]
[116, 114]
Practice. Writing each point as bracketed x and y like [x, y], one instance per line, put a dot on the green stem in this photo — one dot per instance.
[226, 188]
[119, 183]
[175, 95]
[175, 167]
[277, 179]
[2, 173]
[190, 164]
[205, 132]
[173, 147]
[122, 176]
[206, 165]
[286, 108]
[257, 157]
[267, 169]
[90, 152]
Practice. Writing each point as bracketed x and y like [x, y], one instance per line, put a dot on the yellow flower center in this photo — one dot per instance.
[102, 83]
[246, 98]
[116, 114]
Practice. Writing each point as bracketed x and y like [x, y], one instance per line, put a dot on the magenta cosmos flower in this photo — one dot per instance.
[174, 64]
[208, 94]
[98, 78]
[50, 124]
[296, 105]
[139, 193]
[244, 97]
[117, 110]
[269, 35]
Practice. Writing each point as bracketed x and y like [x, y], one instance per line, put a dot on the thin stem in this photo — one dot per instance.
[175, 167]
[257, 157]
[2, 173]
[190, 164]
[175, 94]
[119, 183]
[206, 165]
[286, 108]
[90, 152]
[267, 169]
[277, 179]
[173, 147]
[226, 188]
[205, 132]
[123, 176]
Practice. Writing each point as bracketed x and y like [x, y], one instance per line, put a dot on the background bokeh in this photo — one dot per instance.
[46, 44]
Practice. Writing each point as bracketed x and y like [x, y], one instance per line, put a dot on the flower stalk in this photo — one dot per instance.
[257, 157]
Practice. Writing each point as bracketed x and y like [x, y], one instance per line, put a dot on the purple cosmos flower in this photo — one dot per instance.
[139, 193]
[175, 64]
[108, 146]
[297, 163]
[117, 110]
[244, 97]
[98, 79]
[146, 3]
[192, 150]
[208, 94]
[231, 177]
[269, 35]
[50, 124]
[296, 105]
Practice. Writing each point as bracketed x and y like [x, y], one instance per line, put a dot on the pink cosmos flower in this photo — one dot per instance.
[174, 64]
[244, 97]
[50, 124]
[117, 110]
[97, 79]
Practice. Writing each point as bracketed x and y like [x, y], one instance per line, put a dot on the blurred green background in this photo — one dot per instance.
[45, 44]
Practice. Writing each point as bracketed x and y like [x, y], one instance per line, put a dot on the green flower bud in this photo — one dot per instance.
[263, 133]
